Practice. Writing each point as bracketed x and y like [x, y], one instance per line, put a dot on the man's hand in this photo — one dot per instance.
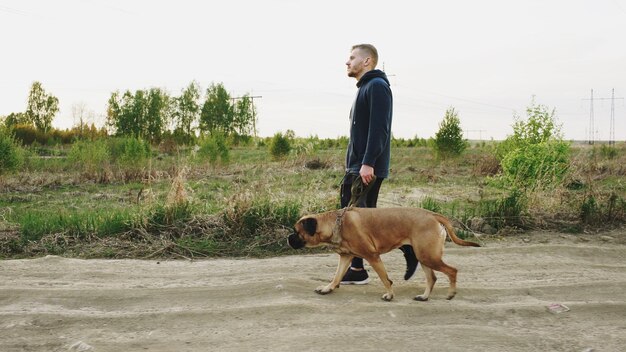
[366, 173]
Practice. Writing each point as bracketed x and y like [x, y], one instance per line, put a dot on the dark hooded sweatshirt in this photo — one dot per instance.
[370, 125]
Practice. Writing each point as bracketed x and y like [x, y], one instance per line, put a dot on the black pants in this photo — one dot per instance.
[369, 201]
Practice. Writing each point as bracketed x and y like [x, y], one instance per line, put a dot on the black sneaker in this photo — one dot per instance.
[355, 277]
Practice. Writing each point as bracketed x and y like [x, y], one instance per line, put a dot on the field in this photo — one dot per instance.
[180, 254]
[185, 206]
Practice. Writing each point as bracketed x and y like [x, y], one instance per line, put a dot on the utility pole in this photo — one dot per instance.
[388, 75]
[592, 131]
[612, 126]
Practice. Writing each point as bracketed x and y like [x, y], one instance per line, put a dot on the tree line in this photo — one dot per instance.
[152, 114]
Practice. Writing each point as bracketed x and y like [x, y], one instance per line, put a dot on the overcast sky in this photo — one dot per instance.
[487, 59]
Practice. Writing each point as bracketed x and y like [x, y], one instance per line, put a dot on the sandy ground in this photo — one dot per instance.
[505, 287]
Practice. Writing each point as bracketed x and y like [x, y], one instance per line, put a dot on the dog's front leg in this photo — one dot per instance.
[342, 268]
[379, 267]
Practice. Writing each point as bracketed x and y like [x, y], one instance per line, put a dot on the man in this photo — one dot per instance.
[369, 149]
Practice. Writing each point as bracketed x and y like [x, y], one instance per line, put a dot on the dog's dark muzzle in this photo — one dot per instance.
[295, 241]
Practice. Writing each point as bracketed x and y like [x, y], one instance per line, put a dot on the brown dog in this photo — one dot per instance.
[370, 232]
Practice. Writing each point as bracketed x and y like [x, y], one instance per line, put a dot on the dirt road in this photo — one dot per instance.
[57, 304]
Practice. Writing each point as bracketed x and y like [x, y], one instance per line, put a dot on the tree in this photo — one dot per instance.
[245, 117]
[124, 113]
[113, 111]
[82, 116]
[15, 118]
[449, 140]
[217, 113]
[186, 109]
[41, 107]
[138, 111]
[157, 114]
[144, 114]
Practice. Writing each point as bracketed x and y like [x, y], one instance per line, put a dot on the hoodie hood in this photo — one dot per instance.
[370, 75]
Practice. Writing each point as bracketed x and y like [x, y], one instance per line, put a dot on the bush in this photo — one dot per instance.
[28, 134]
[540, 127]
[507, 211]
[11, 154]
[540, 165]
[449, 140]
[128, 150]
[594, 212]
[535, 155]
[212, 147]
[608, 152]
[92, 157]
[280, 146]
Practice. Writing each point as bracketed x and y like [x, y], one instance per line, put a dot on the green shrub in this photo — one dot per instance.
[608, 152]
[539, 127]
[213, 147]
[128, 150]
[603, 209]
[280, 146]
[136, 151]
[11, 154]
[28, 134]
[589, 210]
[91, 157]
[449, 140]
[542, 165]
[506, 211]
[535, 155]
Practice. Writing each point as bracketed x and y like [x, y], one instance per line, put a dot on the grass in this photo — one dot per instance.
[173, 206]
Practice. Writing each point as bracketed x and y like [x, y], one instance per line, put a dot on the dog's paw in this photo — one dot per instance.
[387, 297]
[323, 290]
[421, 298]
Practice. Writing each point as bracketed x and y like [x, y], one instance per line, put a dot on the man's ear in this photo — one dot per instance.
[310, 225]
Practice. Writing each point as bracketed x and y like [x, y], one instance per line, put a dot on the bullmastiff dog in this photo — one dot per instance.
[370, 232]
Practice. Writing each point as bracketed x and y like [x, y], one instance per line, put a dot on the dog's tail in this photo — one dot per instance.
[446, 223]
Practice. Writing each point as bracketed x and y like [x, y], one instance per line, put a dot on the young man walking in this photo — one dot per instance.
[369, 149]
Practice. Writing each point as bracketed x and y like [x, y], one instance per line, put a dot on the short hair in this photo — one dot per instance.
[370, 50]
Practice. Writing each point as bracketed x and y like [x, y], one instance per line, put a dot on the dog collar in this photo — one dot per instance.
[336, 239]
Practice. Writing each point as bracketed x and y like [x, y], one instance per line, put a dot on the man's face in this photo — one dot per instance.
[356, 64]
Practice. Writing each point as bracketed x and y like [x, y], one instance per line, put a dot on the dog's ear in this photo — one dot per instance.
[310, 225]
